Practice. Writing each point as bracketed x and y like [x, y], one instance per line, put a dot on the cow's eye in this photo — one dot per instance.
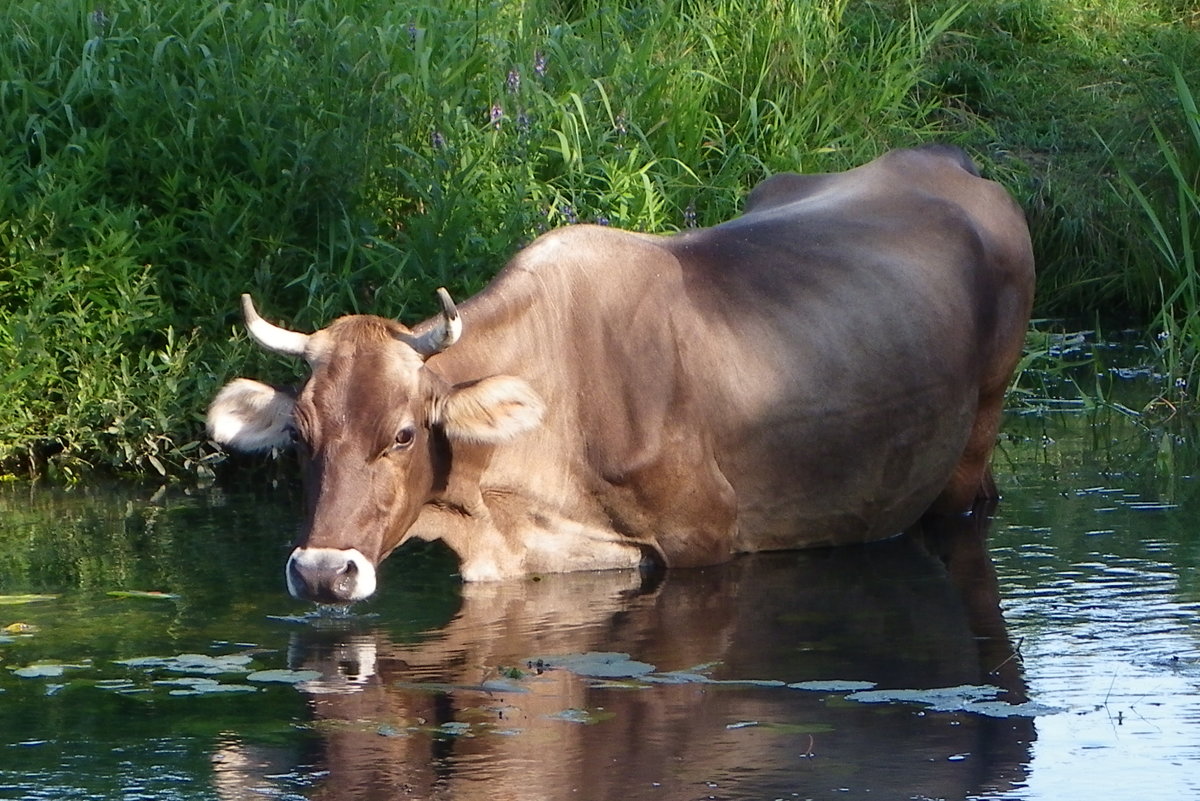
[293, 434]
[405, 437]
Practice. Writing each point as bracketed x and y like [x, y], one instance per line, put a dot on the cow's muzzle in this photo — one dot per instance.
[330, 575]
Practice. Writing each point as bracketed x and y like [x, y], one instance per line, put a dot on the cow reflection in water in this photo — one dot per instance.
[918, 612]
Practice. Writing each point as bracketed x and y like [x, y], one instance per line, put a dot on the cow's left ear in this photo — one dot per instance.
[490, 410]
[251, 417]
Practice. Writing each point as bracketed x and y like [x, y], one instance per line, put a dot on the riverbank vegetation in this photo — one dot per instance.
[162, 158]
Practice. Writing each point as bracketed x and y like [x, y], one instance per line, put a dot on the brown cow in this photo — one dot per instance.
[822, 370]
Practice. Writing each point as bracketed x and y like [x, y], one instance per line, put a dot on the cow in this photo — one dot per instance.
[824, 369]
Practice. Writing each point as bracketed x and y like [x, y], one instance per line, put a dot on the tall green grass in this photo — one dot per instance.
[157, 158]
[331, 156]
[1169, 208]
[1036, 80]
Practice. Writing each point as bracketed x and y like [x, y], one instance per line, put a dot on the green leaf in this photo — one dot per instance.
[14, 600]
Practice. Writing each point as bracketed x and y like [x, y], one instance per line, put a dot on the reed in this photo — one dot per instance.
[334, 156]
[1168, 206]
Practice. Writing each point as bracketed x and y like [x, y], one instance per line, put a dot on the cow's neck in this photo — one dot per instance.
[504, 332]
[520, 507]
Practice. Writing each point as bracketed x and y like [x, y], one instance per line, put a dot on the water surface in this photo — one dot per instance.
[1050, 652]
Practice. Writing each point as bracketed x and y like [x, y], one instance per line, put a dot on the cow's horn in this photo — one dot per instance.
[445, 333]
[272, 337]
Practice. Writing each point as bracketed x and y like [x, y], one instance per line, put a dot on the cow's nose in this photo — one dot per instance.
[330, 575]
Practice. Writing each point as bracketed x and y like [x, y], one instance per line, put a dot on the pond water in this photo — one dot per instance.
[148, 650]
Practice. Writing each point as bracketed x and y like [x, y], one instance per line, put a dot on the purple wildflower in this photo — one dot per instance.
[569, 213]
[539, 64]
[513, 82]
[437, 140]
[689, 215]
[495, 116]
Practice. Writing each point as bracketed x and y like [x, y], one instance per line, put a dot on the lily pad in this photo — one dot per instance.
[833, 686]
[503, 686]
[749, 682]
[199, 685]
[599, 664]
[642, 683]
[44, 671]
[39, 671]
[978, 699]
[677, 677]
[215, 689]
[586, 717]
[185, 682]
[942, 699]
[284, 676]
[192, 663]
[1003, 709]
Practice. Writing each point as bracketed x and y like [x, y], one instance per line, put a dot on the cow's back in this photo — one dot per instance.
[841, 341]
[809, 373]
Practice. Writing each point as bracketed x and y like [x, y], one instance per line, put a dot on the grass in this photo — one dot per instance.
[334, 156]
[1169, 210]
[1052, 91]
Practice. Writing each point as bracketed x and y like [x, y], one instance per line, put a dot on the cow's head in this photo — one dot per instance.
[374, 428]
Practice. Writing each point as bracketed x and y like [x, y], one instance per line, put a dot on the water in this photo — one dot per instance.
[1056, 655]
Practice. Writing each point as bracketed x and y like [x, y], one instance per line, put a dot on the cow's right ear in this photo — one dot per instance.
[251, 417]
[490, 411]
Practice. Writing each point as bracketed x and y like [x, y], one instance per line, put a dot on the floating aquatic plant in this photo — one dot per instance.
[192, 663]
[41, 671]
[597, 664]
[586, 717]
[833, 686]
[979, 699]
[284, 676]
[203, 686]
